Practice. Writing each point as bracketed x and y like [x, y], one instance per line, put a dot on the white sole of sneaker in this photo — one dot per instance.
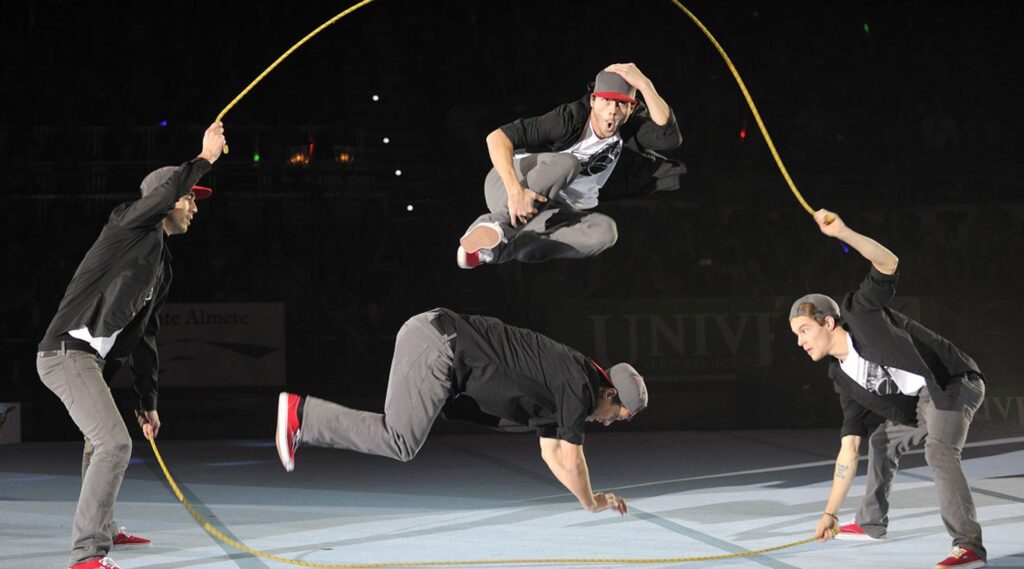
[283, 444]
[855, 537]
[460, 258]
[480, 237]
[971, 565]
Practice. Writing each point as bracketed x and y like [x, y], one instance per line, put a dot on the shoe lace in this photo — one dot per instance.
[295, 439]
[108, 562]
[124, 531]
[958, 552]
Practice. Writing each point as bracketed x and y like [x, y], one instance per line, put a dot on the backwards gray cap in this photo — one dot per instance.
[155, 178]
[630, 385]
[823, 306]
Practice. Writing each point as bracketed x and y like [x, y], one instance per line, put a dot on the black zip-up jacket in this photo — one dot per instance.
[889, 338]
[111, 288]
[639, 171]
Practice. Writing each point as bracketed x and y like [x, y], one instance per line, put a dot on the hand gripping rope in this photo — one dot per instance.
[217, 534]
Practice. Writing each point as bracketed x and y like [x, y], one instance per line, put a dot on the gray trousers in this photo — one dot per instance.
[943, 432]
[418, 388]
[77, 378]
[558, 230]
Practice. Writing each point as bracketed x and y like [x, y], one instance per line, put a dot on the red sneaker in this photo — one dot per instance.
[467, 260]
[287, 429]
[961, 558]
[125, 540]
[853, 532]
[97, 563]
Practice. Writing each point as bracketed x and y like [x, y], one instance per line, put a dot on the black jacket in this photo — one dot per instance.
[889, 338]
[639, 171]
[123, 281]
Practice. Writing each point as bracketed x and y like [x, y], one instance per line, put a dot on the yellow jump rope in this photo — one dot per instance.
[217, 534]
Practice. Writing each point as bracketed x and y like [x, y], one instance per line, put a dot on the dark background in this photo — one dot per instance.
[904, 117]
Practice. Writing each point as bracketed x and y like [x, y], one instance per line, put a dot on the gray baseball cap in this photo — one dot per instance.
[630, 385]
[160, 175]
[823, 306]
[611, 85]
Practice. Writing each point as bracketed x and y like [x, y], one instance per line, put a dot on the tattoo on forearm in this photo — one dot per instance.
[841, 471]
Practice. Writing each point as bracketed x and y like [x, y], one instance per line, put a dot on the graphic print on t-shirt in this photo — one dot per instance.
[593, 164]
[597, 157]
[879, 379]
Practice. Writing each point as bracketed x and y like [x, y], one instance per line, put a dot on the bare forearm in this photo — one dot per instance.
[576, 478]
[500, 149]
[656, 106]
[569, 465]
[842, 479]
[883, 259]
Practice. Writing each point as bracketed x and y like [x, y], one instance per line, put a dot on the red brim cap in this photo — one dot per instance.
[615, 96]
[202, 192]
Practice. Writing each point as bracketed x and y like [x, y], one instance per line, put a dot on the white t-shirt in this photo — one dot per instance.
[879, 379]
[597, 157]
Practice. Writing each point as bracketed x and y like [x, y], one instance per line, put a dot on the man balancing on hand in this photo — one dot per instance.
[110, 316]
[481, 369]
[550, 171]
[924, 387]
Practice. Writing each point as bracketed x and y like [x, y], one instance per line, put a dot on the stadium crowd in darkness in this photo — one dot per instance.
[893, 116]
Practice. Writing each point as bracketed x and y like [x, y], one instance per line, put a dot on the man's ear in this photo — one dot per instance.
[610, 393]
[830, 323]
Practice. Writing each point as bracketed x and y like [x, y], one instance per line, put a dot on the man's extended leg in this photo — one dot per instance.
[561, 233]
[77, 378]
[885, 447]
[947, 433]
[418, 388]
[111, 526]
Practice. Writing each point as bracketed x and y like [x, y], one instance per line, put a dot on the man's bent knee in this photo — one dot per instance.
[116, 450]
[938, 454]
[562, 161]
[603, 231]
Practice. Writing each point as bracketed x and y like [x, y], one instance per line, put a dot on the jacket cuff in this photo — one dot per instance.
[148, 402]
[880, 276]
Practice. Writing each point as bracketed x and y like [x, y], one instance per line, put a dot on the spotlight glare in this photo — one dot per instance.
[375, 98]
[408, 207]
[398, 172]
[387, 140]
